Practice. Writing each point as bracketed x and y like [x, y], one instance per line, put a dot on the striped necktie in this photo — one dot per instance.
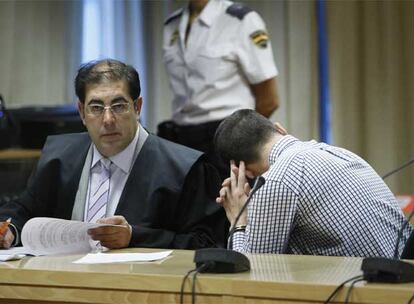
[99, 194]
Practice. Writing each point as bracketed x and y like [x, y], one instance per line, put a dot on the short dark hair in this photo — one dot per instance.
[106, 70]
[240, 136]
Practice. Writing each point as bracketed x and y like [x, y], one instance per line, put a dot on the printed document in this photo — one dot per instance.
[51, 236]
[101, 258]
[48, 236]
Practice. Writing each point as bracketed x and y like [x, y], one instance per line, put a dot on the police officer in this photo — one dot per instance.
[219, 59]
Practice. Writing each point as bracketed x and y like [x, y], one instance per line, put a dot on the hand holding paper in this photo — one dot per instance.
[49, 236]
[115, 234]
[44, 236]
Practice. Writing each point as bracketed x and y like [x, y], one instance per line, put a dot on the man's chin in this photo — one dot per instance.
[110, 148]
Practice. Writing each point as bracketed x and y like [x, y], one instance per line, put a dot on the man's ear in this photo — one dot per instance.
[280, 129]
[81, 110]
[138, 105]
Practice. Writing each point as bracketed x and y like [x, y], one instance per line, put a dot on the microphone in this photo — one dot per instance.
[401, 231]
[398, 169]
[220, 260]
[258, 183]
[385, 270]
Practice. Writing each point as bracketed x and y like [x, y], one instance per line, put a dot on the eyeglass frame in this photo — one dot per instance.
[104, 108]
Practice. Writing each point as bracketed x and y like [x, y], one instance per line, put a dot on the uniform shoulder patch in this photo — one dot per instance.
[238, 10]
[173, 16]
[174, 37]
[260, 38]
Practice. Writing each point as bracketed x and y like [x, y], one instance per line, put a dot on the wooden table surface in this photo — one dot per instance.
[272, 279]
[19, 153]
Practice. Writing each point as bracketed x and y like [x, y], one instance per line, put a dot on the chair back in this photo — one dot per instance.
[408, 252]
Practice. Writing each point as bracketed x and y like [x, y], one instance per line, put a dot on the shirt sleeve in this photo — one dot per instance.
[255, 50]
[271, 216]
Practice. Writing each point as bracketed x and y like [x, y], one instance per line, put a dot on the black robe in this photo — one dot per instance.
[168, 199]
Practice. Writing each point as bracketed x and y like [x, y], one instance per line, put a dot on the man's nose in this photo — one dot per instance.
[108, 116]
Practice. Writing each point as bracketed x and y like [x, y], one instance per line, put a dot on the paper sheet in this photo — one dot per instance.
[11, 257]
[14, 250]
[98, 258]
[15, 253]
[48, 236]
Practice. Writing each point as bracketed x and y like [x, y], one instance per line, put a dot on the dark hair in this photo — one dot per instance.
[106, 70]
[241, 136]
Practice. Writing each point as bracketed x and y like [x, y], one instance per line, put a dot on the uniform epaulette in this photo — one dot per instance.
[238, 10]
[174, 16]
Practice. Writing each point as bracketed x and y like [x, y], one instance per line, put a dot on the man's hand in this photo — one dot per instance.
[234, 192]
[6, 239]
[112, 237]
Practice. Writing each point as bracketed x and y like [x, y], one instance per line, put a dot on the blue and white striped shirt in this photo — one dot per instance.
[321, 200]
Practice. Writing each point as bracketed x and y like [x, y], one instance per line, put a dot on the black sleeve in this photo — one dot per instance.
[52, 186]
[32, 201]
[199, 221]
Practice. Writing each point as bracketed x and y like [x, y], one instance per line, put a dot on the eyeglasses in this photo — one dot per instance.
[116, 108]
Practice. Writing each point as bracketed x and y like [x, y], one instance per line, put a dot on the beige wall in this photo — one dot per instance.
[371, 68]
[38, 52]
[371, 56]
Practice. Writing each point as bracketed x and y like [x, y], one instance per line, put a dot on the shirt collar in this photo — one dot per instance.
[123, 159]
[208, 14]
[284, 143]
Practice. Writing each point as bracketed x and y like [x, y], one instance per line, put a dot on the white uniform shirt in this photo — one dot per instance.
[210, 75]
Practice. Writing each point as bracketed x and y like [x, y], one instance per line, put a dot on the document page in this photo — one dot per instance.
[15, 253]
[47, 236]
[99, 258]
[51, 236]
[13, 250]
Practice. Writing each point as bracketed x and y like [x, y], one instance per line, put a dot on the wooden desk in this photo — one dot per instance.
[273, 279]
[19, 153]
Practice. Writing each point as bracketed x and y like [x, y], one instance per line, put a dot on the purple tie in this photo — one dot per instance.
[99, 195]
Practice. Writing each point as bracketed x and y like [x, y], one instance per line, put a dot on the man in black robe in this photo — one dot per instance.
[158, 194]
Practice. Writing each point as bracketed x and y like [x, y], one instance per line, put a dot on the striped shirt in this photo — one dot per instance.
[321, 200]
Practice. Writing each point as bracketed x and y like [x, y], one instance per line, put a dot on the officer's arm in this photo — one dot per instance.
[267, 99]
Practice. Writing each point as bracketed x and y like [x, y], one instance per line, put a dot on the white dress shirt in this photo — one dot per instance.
[121, 165]
[210, 74]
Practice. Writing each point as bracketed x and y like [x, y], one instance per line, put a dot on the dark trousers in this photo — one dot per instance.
[199, 137]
